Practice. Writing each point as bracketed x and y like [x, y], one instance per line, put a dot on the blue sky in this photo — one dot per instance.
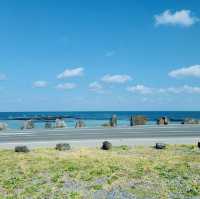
[99, 55]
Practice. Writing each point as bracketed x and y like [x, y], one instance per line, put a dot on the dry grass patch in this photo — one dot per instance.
[123, 172]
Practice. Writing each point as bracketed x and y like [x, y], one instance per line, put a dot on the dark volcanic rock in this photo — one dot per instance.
[162, 121]
[28, 124]
[3, 126]
[48, 125]
[198, 144]
[63, 146]
[23, 149]
[138, 120]
[191, 121]
[106, 145]
[113, 121]
[80, 124]
[160, 146]
[60, 123]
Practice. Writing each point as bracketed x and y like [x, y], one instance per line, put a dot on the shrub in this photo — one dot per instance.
[160, 146]
[63, 146]
[23, 149]
[106, 145]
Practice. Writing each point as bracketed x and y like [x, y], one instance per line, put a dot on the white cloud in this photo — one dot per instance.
[182, 18]
[66, 86]
[191, 71]
[184, 89]
[96, 87]
[116, 78]
[75, 72]
[40, 84]
[110, 53]
[191, 89]
[2, 76]
[141, 89]
[144, 90]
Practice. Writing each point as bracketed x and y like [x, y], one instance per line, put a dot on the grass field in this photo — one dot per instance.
[123, 172]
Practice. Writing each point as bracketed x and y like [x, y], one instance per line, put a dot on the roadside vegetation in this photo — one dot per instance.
[122, 172]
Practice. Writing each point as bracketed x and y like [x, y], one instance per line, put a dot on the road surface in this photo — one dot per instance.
[90, 136]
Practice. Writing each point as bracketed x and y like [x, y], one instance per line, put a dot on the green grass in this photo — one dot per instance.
[140, 171]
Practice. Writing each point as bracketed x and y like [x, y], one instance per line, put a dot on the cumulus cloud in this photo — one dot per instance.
[191, 71]
[66, 86]
[141, 89]
[96, 87]
[2, 76]
[116, 78]
[191, 89]
[40, 84]
[182, 18]
[144, 90]
[184, 89]
[75, 72]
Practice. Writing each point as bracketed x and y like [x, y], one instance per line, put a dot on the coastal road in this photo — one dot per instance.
[150, 131]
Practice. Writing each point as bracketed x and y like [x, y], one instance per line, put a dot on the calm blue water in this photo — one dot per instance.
[95, 119]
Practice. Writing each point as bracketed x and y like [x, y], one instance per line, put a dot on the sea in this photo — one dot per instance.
[93, 119]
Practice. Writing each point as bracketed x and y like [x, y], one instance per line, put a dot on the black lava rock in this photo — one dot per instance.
[106, 145]
[22, 149]
[198, 144]
[63, 146]
[160, 146]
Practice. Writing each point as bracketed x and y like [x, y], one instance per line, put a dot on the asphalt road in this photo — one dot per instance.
[151, 131]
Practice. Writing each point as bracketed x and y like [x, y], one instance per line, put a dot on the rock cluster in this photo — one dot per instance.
[60, 123]
[191, 121]
[162, 121]
[63, 147]
[160, 146]
[106, 125]
[138, 120]
[3, 126]
[28, 124]
[80, 124]
[48, 125]
[113, 121]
